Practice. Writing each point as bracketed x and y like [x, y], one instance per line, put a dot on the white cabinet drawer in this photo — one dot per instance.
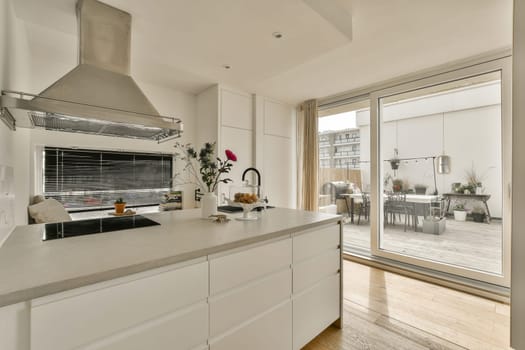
[235, 307]
[315, 242]
[229, 271]
[183, 330]
[236, 109]
[83, 318]
[309, 272]
[314, 310]
[271, 331]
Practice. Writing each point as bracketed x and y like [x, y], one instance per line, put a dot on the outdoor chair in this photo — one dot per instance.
[396, 204]
[364, 207]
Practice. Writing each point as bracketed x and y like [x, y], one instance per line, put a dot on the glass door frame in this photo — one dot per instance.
[376, 168]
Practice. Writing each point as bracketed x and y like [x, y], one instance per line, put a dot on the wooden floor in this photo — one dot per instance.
[383, 310]
[468, 244]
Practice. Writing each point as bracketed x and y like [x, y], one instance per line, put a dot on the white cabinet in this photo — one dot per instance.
[311, 243]
[226, 116]
[259, 130]
[275, 152]
[314, 310]
[313, 270]
[272, 330]
[316, 282]
[236, 109]
[278, 171]
[88, 315]
[277, 294]
[232, 309]
[181, 330]
[235, 269]
[236, 132]
[14, 327]
[250, 292]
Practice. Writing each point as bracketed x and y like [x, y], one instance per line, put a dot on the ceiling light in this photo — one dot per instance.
[277, 35]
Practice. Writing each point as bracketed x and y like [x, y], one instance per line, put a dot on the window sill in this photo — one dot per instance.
[105, 213]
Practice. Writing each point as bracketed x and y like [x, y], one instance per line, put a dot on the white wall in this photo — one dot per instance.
[517, 314]
[6, 136]
[465, 125]
[39, 54]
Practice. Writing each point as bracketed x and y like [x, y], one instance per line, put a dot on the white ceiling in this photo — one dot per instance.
[184, 43]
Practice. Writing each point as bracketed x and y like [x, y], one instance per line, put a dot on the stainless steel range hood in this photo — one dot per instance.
[98, 96]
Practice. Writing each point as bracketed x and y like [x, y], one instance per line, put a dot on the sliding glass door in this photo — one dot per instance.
[440, 172]
[344, 169]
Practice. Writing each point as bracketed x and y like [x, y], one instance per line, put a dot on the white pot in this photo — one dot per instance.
[208, 205]
[460, 215]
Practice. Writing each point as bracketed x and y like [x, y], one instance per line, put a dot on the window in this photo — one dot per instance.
[92, 179]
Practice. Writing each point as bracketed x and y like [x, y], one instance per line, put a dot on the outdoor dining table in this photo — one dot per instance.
[421, 201]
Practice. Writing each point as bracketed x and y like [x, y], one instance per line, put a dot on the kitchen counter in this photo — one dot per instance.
[31, 268]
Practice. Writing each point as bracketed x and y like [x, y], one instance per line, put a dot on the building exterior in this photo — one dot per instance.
[340, 149]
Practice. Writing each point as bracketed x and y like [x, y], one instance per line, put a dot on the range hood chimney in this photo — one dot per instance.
[98, 96]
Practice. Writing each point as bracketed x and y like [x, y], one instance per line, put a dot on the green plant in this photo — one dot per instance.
[478, 214]
[457, 188]
[470, 187]
[397, 185]
[475, 179]
[459, 207]
[120, 201]
[210, 168]
[397, 182]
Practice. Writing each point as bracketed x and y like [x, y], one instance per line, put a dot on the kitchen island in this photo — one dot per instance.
[188, 283]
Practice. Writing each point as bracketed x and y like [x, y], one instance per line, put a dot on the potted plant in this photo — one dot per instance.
[120, 205]
[460, 213]
[420, 189]
[397, 185]
[478, 214]
[394, 162]
[469, 188]
[205, 170]
[474, 180]
[457, 188]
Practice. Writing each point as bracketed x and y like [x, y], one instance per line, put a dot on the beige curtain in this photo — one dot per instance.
[307, 156]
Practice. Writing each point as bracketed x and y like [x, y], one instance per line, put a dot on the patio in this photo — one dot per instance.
[468, 244]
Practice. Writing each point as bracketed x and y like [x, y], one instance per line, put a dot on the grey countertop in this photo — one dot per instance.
[31, 268]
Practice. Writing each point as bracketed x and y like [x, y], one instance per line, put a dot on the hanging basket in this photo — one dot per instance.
[394, 163]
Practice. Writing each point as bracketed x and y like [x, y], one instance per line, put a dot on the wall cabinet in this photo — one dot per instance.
[275, 152]
[226, 116]
[261, 133]
[277, 294]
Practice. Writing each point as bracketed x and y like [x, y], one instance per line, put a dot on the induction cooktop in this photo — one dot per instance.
[92, 226]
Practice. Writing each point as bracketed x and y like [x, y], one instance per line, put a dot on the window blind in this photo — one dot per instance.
[88, 179]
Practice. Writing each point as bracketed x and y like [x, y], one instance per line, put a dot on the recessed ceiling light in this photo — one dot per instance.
[226, 66]
[277, 35]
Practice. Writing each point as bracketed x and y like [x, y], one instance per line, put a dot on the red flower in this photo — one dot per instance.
[231, 156]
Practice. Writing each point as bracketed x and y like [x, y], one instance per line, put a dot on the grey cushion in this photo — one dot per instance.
[48, 211]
